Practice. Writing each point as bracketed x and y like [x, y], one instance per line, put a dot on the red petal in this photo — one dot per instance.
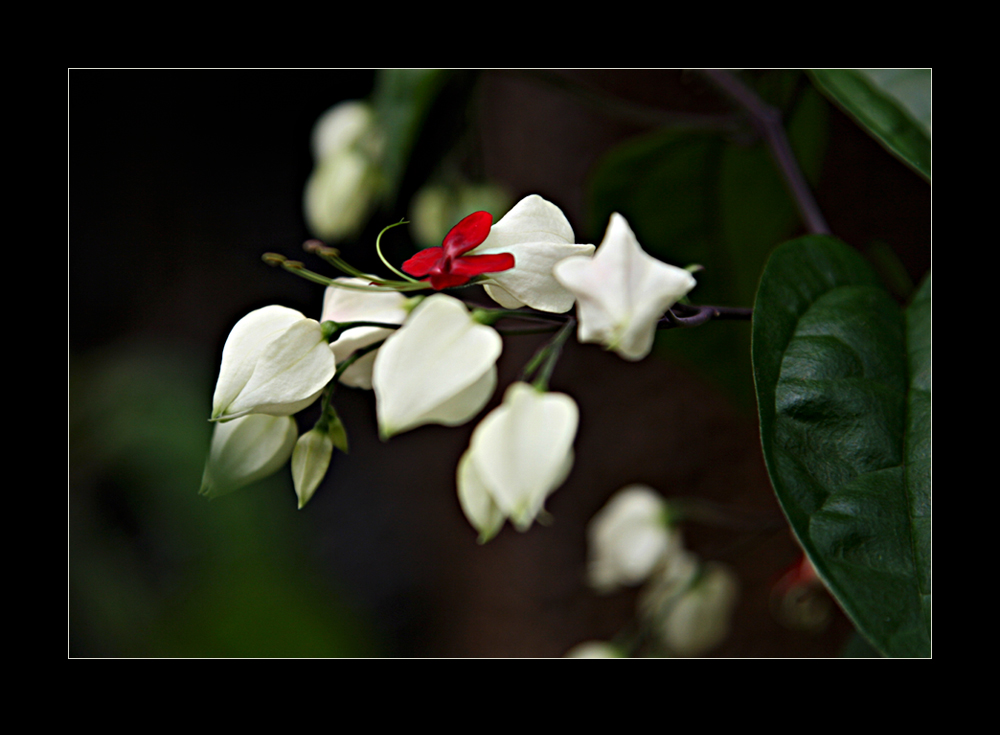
[440, 281]
[468, 233]
[421, 263]
[476, 265]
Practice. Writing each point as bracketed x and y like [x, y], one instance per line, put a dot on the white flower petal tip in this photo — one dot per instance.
[628, 538]
[538, 235]
[622, 291]
[438, 368]
[275, 361]
[246, 450]
[349, 305]
[520, 453]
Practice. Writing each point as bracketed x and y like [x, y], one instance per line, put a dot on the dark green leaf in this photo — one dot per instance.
[893, 105]
[843, 390]
[402, 98]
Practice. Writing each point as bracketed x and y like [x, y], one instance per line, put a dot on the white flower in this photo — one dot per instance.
[349, 305]
[245, 450]
[275, 361]
[342, 126]
[519, 454]
[692, 607]
[538, 235]
[622, 291]
[628, 538]
[594, 649]
[343, 186]
[438, 368]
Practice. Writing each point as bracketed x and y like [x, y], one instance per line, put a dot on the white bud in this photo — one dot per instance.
[438, 368]
[519, 454]
[245, 450]
[275, 361]
[310, 461]
[628, 538]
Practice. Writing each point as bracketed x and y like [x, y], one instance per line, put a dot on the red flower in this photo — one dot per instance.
[446, 266]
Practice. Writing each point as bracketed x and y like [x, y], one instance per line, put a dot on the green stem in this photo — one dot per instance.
[378, 249]
[355, 356]
[547, 357]
[294, 266]
[344, 326]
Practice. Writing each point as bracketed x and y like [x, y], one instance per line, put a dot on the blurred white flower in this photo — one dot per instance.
[628, 538]
[691, 606]
[348, 305]
[245, 450]
[342, 126]
[518, 455]
[622, 291]
[538, 235]
[438, 368]
[436, 207]
[594, 649]
[275, 361]
[343, 186]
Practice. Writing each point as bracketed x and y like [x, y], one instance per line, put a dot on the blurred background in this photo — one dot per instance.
[180, 180]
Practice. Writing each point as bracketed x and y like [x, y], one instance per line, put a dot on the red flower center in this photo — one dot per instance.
[448, 266]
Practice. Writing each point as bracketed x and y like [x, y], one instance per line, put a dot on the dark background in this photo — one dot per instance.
[178, 181]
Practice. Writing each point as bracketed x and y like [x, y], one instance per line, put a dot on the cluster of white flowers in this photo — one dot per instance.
[633, 540]
[439, 365]
[346, 180]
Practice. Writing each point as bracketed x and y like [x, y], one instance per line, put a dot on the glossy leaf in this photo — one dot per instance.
[843, 388]
[893, 105]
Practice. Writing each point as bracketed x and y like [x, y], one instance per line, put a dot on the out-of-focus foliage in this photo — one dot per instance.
[844, 391]
[156, 570]
[402, 99]
[697, 196]
[893, 105]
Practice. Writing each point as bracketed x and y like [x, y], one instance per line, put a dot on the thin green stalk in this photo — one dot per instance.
[378, 249]
[546, 358]
[355, 356]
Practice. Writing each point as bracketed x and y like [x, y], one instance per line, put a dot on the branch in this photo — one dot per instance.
[766, 120]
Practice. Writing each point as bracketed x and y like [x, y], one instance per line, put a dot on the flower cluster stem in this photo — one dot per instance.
[766, 120]
[380, 286]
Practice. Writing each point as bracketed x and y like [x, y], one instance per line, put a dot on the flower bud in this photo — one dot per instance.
[438, 368]
[245, 450]
[343, 186]
[594, 649]
[310, 461]
[275, 361]
[692, 610]
[628, 538]
[518, 455]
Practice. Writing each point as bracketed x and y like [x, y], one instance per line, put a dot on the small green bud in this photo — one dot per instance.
[310, 461]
